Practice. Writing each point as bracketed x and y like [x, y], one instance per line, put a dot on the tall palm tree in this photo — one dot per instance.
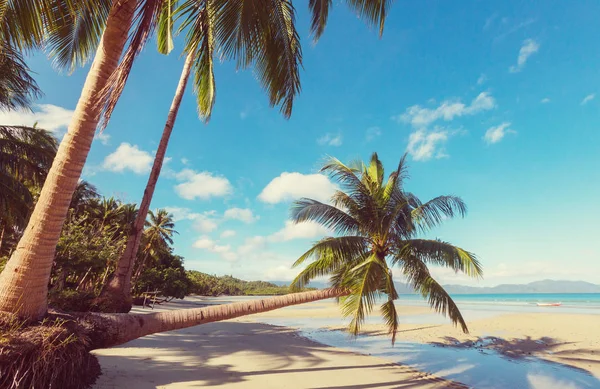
[378, 223]
[261, 34]
[26, 154]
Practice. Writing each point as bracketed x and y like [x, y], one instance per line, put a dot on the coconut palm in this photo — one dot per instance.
[205, 36]
[17, 87]
[260, 34]
[26, 154]
[157, 236]
[377, 225]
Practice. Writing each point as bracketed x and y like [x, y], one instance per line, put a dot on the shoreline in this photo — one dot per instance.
[255, 345]
[242, 354]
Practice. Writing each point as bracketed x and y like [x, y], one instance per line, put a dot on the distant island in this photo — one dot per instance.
[544, 286]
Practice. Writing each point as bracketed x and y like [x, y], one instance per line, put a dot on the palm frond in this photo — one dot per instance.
[364, 285]
[74, 30]
[419, 277]
[436, 210]
[164, 32]
[329, 216]
[319, 12]
[267, 40]
[443, 254]
[144, 22]
[343, 247]
[373, 12]
[200, 43]
[18, 89]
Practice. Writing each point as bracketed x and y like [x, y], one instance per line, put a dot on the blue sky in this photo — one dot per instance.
[494, 101]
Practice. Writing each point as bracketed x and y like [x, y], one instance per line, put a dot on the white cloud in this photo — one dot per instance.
[291, 186]
[330, 139]
[48, 117]
[482, 79]
[252, 245]
[242, 214]
[424, 145]
[528, 48]
[545, 100]
[185, 161]
[224, 251]
[588, 98]
[372, 133]
[495, 134]
[128, 157]
[227, 234]
[203, 222]
[305, 230]
[203, 185]
[103, 137]
[448, 110]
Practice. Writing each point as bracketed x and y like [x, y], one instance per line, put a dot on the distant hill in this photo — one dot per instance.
[545, 286]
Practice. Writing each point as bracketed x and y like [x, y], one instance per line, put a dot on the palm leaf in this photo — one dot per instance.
[436, 210]
[200, 43]
[343, 247]
[419, 277]
[364, 285]
[319, 12]
[18, 89]
[373, 12]
[74, 30]
[443, 254]
[329, 216]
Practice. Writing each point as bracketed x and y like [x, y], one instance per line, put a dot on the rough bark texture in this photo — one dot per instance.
[113, 329]
[24, 281]
[116, 295]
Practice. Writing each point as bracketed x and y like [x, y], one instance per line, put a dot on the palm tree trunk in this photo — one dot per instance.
[114, 329]
[3, 224]
[140, 269]
[24, 282]
[117, 292]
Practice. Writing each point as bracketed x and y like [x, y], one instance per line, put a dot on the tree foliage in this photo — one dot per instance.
[377, 223]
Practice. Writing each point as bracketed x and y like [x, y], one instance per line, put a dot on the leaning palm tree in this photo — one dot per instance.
[377, 225]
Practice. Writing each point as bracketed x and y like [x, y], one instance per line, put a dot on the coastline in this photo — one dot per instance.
[304, 341]
[242, 354]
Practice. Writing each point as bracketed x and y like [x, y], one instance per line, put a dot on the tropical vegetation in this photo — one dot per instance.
[259, 35]
[378, 223]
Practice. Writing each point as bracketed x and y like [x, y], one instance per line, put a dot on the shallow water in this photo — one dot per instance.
[481, 369]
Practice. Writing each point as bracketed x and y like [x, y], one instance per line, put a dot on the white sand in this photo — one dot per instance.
[238, 354]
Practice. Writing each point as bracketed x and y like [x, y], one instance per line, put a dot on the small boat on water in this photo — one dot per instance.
[549, 304]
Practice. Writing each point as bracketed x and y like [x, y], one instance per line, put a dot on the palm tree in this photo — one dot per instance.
[259, 34]
[200, 20]
[378, 223]
[17, 86]
[157, 237]
[26, 154]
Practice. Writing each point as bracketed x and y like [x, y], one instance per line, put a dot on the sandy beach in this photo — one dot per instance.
[237, 354]
[247, 353]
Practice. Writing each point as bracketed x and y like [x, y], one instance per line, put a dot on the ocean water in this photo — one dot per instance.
[568, 300]
[481, 369]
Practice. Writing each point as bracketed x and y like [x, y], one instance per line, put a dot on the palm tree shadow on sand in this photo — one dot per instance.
[203, 357]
